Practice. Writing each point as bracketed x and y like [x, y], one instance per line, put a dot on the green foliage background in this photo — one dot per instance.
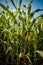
[21, 36]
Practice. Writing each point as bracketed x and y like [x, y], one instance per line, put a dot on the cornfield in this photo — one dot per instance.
[21, 35]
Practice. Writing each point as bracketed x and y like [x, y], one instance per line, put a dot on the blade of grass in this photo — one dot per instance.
[29, 6]
[13, 4]
[6, 9]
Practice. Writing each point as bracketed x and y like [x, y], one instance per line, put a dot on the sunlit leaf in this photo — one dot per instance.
[40, 53]
[6, 9]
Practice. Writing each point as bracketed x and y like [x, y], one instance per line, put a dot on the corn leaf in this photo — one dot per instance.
[24, 6]
[40, 53]
[29, 7]
[19, 5]
[20, 2]
[33, 12]
[34, 20]
[13, 4]
[6, 9]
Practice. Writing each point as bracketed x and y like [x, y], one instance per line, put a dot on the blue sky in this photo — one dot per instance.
[36, 4]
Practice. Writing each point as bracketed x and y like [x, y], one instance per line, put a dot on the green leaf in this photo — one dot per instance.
[29, 7]
[8, 32]
[28, 59]
[20, 2]
[33, 12]
[40, 53]
[37, 10]
[34, 20]
[6, 9]
[24, 6]
[9, 48]
[13, 4]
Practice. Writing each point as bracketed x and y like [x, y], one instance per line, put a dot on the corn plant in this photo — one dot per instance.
[19, 32]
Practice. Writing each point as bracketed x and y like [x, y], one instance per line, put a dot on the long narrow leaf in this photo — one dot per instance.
[33, 12]
[34, 20]
[6, 9]
[40, 53]
[9, 12]
[20, 2]
[29, 7]
[13, 4]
